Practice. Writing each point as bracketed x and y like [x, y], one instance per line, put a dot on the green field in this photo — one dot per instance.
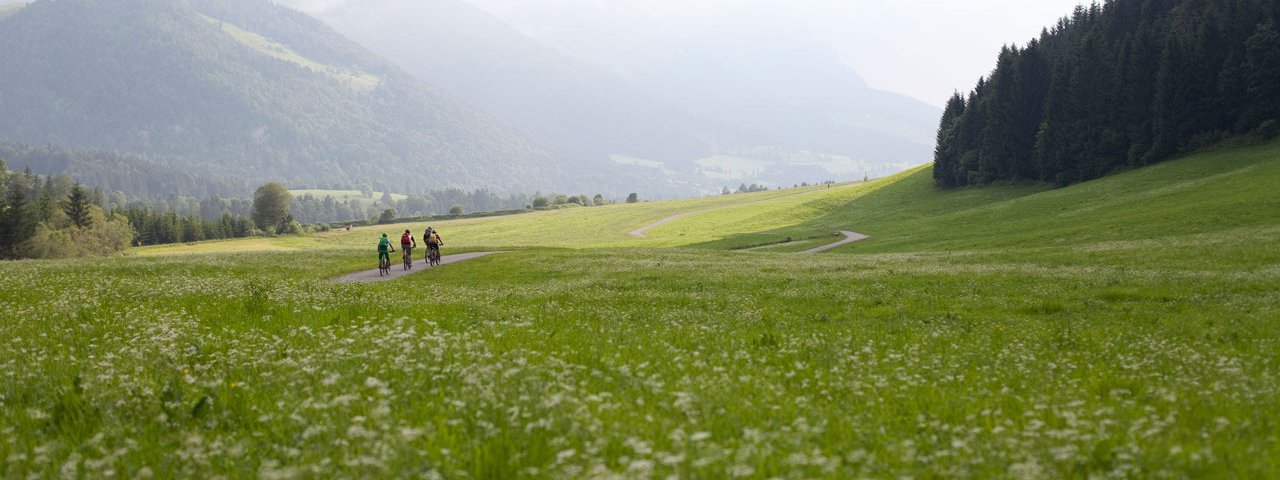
[1125, 327]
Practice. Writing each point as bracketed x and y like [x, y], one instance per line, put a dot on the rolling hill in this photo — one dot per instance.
[248, 90]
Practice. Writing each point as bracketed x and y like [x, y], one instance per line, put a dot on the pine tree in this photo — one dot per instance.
[1031, 84]
[995, 155]
[4, 183]
[946, 155]
[76, 206]
[1052, 144]
[16, 221]
[1139, 65]
[1262, 73]
[969, 134]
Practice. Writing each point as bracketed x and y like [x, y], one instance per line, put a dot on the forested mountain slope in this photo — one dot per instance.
[111, 172]
[252, 90]
[1113, 86]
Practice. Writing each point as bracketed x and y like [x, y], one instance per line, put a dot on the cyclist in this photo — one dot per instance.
[433, 240]
[408, 243]
[383, 246]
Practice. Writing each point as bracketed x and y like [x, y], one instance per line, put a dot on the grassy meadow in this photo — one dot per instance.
[1122, 328]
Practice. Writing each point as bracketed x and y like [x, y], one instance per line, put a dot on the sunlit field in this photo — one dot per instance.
[584, 227]
[1121, 328]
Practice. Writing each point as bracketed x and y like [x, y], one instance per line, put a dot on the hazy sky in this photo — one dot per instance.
[922, 48]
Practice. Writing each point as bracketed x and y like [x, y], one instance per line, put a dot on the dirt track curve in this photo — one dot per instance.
[397, 268]
[849, 237]
[640, 232]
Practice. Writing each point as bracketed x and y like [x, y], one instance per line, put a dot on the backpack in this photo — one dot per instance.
[404, 239]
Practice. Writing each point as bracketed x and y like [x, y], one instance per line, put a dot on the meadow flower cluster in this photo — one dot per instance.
[634, 364]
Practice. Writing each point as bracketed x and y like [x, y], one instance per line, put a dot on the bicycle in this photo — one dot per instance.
[384, 265]
[408, 258]
[433, 256]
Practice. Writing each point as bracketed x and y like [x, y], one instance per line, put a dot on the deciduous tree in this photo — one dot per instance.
[271, 206]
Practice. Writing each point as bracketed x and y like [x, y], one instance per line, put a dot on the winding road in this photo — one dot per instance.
[397, 268]
[849, 237]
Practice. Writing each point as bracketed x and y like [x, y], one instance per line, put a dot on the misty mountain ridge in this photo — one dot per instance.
[250, 91]
[244, 91]
[704, 114]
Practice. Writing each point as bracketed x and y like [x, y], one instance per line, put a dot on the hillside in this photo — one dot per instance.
[1185, 212]
[250, 90]
[1115, 86]
[114, 172]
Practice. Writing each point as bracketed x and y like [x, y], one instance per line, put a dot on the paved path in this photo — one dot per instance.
[397, 268]
[849, 237]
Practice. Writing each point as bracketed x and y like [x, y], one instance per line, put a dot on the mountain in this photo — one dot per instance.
[250, 90]
[487, 63]
[757, 66]
[795, 97]
[1117, 86]
[702, 114]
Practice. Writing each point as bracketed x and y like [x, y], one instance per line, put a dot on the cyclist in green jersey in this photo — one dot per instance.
[384, 249]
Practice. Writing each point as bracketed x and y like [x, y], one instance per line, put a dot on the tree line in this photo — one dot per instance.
[317, 209]
[137, 183]
[1113, 86]
[54, 217]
